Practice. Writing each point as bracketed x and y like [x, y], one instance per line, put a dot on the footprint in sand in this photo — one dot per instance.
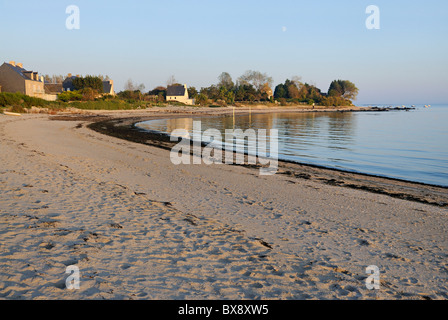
[363, 242]
[395, 257]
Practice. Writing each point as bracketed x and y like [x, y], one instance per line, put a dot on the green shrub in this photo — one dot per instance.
[332, 101]
[33, 101]
[283, 102]
[176, 103]
[201, 99]
[70, 96]
[10, 99]
[106, 105]
[91, 82]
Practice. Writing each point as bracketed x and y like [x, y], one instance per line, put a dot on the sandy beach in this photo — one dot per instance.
[139, 227]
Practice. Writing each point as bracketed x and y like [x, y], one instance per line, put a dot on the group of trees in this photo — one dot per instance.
[295, 90]
[251, 86]
[86, 88]
[92, 82]
[340, 93]
[256, 86]
[59, 78]
[132, 91]
[344, 89]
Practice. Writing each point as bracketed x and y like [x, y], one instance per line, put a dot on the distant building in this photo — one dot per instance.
[269, 93]
[14, 78]
[67, 84]
[178, 93]
[108, 87]
[53, 88]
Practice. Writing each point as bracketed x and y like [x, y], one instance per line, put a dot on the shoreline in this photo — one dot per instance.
[123, 127]
[155, 133]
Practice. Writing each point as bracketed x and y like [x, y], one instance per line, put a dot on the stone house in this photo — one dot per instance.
[14, 78]
[67, 84]
[53, 88]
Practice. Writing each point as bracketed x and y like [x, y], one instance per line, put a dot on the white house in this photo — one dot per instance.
[178, 93]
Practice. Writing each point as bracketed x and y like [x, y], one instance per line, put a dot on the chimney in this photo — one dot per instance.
[69, 75]
[77, 76]
[19, 65]
[13, 63]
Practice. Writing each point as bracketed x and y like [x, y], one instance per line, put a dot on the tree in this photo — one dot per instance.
[344, 89]
[293, 91]
[47, 78]
[103, 78]
[54, 78]
[240, 93]
[91, 82]
[297, 82]
[192, 92]
[230, 97]
[157, 90]
[129, 85]
[140, 87]
[266, 91]
[280, 91]
[134, 87]
[201, 99]
[303, 92]
[300, 92]
[171, 81]
[211, 92]
[225, 80]
[246, 92]
[256, 79]
[313, 92]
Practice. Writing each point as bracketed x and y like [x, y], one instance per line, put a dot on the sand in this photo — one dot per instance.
[138, 227]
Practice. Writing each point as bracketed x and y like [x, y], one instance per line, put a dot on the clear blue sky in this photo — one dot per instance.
[405, 62]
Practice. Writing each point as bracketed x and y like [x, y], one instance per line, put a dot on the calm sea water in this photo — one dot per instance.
[409, 145]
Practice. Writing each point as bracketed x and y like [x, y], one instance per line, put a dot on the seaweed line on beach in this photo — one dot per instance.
[124, 128]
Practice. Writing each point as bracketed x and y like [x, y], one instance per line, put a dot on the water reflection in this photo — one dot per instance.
[409, 145]
[301, 135]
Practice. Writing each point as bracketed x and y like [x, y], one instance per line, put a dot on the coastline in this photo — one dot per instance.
[122, 127]
[139, 227]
